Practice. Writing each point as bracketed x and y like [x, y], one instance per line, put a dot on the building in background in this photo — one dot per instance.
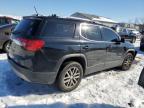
[103, 20]
[128, 25]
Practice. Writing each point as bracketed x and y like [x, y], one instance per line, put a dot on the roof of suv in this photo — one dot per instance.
[67, 18]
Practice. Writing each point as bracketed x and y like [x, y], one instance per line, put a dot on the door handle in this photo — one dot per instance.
[85, 47]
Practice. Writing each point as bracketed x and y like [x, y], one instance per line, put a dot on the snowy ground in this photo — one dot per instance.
[109, 89]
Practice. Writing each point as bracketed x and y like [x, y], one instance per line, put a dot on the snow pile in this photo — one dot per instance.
[108, 89]
[103, 19]
[3, 57]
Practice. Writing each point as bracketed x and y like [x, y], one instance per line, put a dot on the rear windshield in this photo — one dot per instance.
[27, 27]
[58, 29]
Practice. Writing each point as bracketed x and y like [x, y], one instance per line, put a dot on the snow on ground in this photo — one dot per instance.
[3, 57]
[108, 89]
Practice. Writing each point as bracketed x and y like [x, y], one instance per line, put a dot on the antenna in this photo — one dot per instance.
[36, 11]
[35, 8]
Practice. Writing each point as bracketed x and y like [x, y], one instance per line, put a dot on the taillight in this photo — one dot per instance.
[30, 44]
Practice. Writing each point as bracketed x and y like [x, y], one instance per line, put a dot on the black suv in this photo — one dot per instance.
[63, 50]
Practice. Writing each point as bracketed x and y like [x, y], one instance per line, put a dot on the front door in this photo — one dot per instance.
[93, 47]
[114, 50]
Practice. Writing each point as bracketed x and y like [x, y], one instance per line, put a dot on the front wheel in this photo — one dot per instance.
[127, 61]
[70, 76]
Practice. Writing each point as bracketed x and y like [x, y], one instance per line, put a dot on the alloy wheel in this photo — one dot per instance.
[127, 62]
[72, 77]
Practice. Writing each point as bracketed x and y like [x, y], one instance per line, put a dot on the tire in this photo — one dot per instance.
[72, 73]
[6, 46]
[128, 60]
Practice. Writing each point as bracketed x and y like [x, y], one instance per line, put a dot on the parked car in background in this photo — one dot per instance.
[8, 20]
[5, 32]
[7, 24]
[136, 33]
[127, 34]
[63, 50]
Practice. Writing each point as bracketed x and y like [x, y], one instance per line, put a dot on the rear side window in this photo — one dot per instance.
[58, 29]
[91, 32]
[27, 27]
[108, 34]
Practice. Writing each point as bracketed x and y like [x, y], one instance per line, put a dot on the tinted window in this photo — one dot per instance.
[27, 27]
[3, 21]
[56, 29]
[109, 35]
[91, 32]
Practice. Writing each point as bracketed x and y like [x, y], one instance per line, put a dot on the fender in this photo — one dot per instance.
[70, 56]
[132, 50]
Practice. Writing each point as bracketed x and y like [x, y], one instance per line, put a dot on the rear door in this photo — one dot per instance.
[93, 47]
[114, 50]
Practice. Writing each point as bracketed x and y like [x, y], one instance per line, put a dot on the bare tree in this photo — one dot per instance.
[142, 21]
[137, 21]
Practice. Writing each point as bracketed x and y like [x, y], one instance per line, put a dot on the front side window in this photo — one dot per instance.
[108, 34]
[91, 32]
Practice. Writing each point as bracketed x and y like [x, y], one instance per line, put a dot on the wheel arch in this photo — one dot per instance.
[80, 58]
[133, 52]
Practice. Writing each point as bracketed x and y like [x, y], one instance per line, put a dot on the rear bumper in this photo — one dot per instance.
[35, 77]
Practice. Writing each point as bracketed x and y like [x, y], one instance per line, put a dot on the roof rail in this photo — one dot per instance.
[77, 18]
[84, 19]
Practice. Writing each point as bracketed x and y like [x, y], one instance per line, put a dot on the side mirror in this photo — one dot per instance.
[116, 41]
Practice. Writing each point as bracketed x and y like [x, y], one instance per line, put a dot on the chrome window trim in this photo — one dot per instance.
[100, 27]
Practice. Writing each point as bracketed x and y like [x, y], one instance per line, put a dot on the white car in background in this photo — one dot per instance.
[136, 32]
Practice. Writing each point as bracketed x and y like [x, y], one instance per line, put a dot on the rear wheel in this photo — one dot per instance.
[70, 76]
[127, 61]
